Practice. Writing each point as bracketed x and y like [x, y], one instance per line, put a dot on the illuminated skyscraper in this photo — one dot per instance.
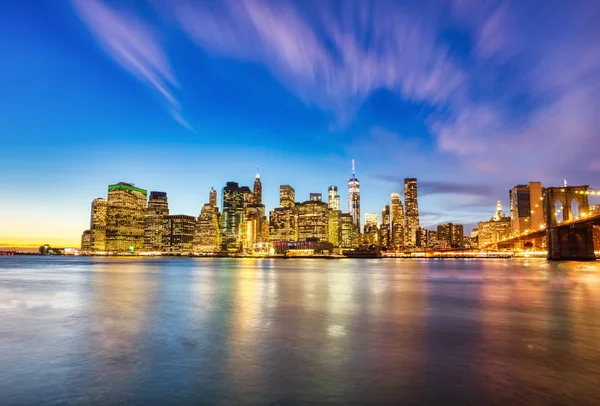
[233, 212]
[348, 231]
[154, 221]
[334, 198]
[334, 226]
[125, 213]
[287, 196]
[212, 198]
[371, 231]
[397, 221]
[98, 225]
[85, 241]
[313, 220]
[494, 230]
[411, 212]
[283, 224]
[384, 230]
[179, 232]
[451, 233]
[354, 199]
[257, 188]
[207, 237]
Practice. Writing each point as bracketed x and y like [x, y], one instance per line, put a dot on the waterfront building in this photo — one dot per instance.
[287, 196]
[384, 230]
[316, 197]
[98, 225]
[422, 237]
[431, 238]
[178, 235]
[253, 222]
[154, 221]
[526, 208]
[452, 234]
[207, 236]
[495, 230]
[397, 221]
[348, 232]
[411, 216]
[86, 238]
[371, 231]
[232, 217]
[354, 199]
[125, 214]
[333, 198]
[283, 224]
[313, 220]
[334, 226]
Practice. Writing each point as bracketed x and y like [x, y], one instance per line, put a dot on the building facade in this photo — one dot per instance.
[313, 221]
[334, 227]
[348, 232]
[526, 208]
[86, 239]
[287, 196]
[125, 218]
[98, 225]
[384, 229]
[283, 224]
[207, 236]
[452, 234]
[154, 221]
[232, 216]
[411, 214]
[397, 221]
[178, 236]
[494, 230]
[333, 198]
[354, 199]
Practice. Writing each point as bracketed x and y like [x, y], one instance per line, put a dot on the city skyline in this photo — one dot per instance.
[101, 93]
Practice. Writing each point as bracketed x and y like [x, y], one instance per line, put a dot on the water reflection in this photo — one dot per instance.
[204, 331]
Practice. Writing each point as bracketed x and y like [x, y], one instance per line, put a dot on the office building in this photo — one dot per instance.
[354, 199]
[316, 197]
[495, 230]
[313, 221]
[371, 231]
[257, 188]
[125, 217]
[334, 227]
[397, 221]
[384, 229]
[207, 236]
[411, 212]
[232, 216]
[178, 236]
[348, 232]
[526, 208]
[98, 225]
[287, 196]
[86, 238]
[333, 198]
[283, 224]
[422, 238]
[451, 234]
[154, 221]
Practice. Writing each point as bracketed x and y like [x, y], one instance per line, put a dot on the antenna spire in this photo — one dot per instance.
[353, 167]
[257, 172]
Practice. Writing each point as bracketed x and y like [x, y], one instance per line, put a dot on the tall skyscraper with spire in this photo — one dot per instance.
[354, 199]
[257, 188]
[411, 211]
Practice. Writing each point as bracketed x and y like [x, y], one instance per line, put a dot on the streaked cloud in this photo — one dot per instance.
[135, 46]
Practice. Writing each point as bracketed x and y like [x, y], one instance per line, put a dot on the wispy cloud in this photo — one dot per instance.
[135, 46]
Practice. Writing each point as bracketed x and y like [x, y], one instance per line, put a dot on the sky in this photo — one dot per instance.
[470, 97]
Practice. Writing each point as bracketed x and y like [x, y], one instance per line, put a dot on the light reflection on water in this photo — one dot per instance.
[224, 331]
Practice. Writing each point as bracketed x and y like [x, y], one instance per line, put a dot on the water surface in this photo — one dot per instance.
[103, 331]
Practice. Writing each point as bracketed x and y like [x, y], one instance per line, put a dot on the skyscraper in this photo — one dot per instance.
[384, 230]
[354, 199]
[283, 224]
[257, 188]
[313, 220]
[207, 236]
[371, 231]
[348, 231]
[526, 208]
[98, 225]
[233, 212]
[85, 241]
[154, 221]
[334, 226]
[212, 197]
[334, 198]
[287, 196]
[178, 235]
[397, 221]
[451, 233]
[411, 212]
[125, 218]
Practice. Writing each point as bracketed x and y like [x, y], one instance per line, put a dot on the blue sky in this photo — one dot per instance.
[470, 97]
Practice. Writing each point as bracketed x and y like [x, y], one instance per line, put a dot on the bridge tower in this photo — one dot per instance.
[567, 241]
